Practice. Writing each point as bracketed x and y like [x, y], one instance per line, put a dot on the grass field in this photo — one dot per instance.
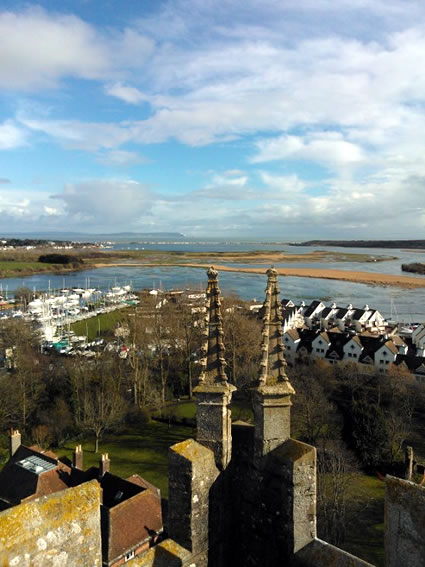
[9, 269]
[365, 533]
[105, 322]
[140, 450]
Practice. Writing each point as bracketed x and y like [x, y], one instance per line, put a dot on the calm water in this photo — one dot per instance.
[408, 305]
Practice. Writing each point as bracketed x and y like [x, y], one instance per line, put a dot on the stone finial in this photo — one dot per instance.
[213, 364]
[272, 393]
[273, 365]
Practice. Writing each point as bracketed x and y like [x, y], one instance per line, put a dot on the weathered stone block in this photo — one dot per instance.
[293, 466]
[166, 554]
[213, 420]
[58, 530]
[192, 472]
[404, 523]
[272, 416]
[319, 553]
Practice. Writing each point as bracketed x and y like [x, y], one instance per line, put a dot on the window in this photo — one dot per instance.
[288, 347]
[129, 555]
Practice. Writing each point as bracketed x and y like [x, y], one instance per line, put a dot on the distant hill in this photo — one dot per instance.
[80, 236]
[416, 244]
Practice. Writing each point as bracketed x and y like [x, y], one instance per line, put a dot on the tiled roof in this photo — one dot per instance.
[134, 521]
[293, 333]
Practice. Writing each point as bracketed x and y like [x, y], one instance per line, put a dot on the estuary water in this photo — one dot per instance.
[402, 304]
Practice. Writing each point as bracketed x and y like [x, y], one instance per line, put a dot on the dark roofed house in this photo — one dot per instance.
[31, 473]
[131, 516]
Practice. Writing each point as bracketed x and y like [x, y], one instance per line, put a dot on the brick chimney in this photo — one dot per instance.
[14, 441]
[77, 458]
[104, 464]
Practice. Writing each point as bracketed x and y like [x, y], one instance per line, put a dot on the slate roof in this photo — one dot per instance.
[325, 312]
[311, 308]
[18, 483]
[358, 314]
[341, 313]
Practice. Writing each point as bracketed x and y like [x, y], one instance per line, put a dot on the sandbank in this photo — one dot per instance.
[370, 278]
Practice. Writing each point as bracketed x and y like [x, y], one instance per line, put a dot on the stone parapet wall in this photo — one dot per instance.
[404, 523]
[192, 474]
[166, 554]
[318, 553]
[58, 530]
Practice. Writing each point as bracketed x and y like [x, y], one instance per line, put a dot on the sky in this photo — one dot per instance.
[283, 119]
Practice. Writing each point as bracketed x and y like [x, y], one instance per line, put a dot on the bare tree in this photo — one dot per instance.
[97, 400]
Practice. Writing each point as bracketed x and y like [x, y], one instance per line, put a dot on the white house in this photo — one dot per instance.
[353, 348]
[320, 345]
[385, 355]
[291, 340]
[312, 312]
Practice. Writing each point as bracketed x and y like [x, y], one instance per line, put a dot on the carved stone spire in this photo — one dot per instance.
[273, 363]
[213, 363]
[214, 393]
[273, 391]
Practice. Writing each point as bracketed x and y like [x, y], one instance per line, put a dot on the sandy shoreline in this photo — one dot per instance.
[370, 278]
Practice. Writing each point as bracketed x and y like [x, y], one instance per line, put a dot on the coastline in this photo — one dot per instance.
[370, 278]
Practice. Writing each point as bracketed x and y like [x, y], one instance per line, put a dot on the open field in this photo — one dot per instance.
[99, 325]
[139, 450]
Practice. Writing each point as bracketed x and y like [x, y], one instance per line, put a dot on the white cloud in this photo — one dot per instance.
[80, 135]
[120, 158]
[11, 136]
[106, 202]
[125, 92]
[39, 48]
[324, 147]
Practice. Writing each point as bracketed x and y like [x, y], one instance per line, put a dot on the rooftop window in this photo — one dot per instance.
[36, 464]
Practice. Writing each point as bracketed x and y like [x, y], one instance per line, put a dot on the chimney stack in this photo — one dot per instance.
[104, 464]
[77, 458]
[14, 442]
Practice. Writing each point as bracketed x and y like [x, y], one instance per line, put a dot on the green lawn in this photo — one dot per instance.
[8, 269]
[365, 533]
[106, 322]
[141, 450]
[186, 409]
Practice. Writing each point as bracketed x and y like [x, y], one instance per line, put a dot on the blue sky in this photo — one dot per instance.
[284, 119]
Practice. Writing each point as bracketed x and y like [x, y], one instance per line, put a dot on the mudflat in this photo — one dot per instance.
[369, 278]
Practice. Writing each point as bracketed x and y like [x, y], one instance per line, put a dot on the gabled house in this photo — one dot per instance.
[291, 340]
[353, 349]
[312, 312]
[385, 355]
[401, 345]
[418, 336]
[130, 513]
[320, 345]
[341, 315]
